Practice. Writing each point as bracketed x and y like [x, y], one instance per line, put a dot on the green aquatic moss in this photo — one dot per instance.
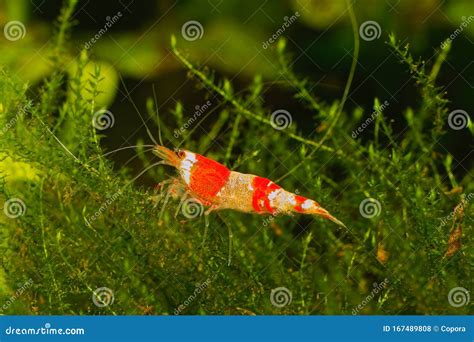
[82, 224]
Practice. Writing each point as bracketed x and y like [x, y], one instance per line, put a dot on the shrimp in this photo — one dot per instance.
[217, 187]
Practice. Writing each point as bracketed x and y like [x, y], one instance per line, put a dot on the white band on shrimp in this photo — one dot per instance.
[308, 204]
[187, 165]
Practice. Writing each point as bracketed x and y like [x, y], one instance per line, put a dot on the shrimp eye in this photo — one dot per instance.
[181, 154]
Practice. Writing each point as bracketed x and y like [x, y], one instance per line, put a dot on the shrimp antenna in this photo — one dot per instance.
[145, 170]
[158, 121]
[138, 112]
[121, 149]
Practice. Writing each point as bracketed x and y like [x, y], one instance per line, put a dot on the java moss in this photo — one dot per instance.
[81, 223]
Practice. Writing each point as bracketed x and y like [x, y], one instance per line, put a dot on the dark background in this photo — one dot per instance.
[320, 41]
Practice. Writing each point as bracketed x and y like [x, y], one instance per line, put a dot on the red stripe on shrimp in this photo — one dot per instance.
[262, 188]
[299, 201]
[208, 177]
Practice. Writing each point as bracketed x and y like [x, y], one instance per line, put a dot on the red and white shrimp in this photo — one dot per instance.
[217, 187]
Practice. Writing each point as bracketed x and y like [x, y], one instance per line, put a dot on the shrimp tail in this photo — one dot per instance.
[319, 211]
[335, 220]
[307, 206]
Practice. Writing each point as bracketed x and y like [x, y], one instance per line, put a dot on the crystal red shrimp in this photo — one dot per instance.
[217, 187]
